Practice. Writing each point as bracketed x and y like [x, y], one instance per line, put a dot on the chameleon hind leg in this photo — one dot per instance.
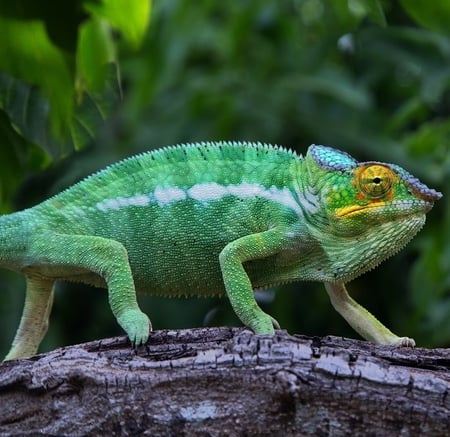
[34, 321]
[69, 257]
[361, 320]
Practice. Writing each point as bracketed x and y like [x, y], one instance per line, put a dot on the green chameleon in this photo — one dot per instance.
[213, 219]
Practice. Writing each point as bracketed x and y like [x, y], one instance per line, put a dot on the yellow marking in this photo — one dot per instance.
[349, 211]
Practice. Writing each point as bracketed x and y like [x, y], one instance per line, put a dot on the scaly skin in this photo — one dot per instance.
[214, 219]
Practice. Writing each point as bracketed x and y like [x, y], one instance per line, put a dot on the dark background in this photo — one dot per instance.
[368, 77]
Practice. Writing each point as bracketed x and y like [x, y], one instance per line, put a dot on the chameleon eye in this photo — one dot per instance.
[375, 180]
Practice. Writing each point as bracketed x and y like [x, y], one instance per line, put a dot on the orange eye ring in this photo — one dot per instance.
[375, 180]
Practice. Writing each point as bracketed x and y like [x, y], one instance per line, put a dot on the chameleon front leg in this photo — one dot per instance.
[34, 321]
[361, 320]
[237, 283]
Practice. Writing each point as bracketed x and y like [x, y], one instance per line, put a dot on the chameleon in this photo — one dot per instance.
[215, 219]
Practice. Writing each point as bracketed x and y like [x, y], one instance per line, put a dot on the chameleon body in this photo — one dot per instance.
[215, 219]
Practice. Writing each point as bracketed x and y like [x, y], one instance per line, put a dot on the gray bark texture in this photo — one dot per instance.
[227, 382]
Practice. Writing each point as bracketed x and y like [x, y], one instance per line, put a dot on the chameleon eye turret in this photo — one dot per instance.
[375, 180]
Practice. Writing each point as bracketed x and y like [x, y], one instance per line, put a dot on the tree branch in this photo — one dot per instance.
[220, 381]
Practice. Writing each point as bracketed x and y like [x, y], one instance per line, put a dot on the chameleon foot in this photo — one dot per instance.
[264, 325]
[404, 342]
[275, 323]
[136, 324]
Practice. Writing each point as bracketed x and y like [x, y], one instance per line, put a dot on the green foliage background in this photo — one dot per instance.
[87, 84]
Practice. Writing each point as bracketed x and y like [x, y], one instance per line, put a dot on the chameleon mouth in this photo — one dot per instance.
[350, 211]
[401, 208]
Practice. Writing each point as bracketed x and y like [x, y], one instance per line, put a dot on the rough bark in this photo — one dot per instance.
[227, 382]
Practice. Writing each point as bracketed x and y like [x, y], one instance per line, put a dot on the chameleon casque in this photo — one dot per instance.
[215, 219]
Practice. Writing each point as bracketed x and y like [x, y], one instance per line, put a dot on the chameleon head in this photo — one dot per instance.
[375, 207]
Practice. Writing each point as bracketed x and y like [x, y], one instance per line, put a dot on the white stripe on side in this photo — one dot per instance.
[309, 201]
[122, 202]
[208, 192]
[164, 196]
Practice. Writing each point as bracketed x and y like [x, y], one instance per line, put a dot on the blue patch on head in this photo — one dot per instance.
[331, 159]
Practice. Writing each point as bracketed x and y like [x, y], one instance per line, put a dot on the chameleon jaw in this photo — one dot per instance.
[403, 208]
[350, 211]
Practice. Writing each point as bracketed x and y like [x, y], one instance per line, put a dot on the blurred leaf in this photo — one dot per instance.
[336, 84]
[61, 19]
[429, 137]
[95, 52]
[407, 59]
[413, 110]
[29, 111]
[431, 15]
[371, 8]
[27, 53]
[17, 157]
[130, 17]
[67, 54]
[430, 144]
[95, 108]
